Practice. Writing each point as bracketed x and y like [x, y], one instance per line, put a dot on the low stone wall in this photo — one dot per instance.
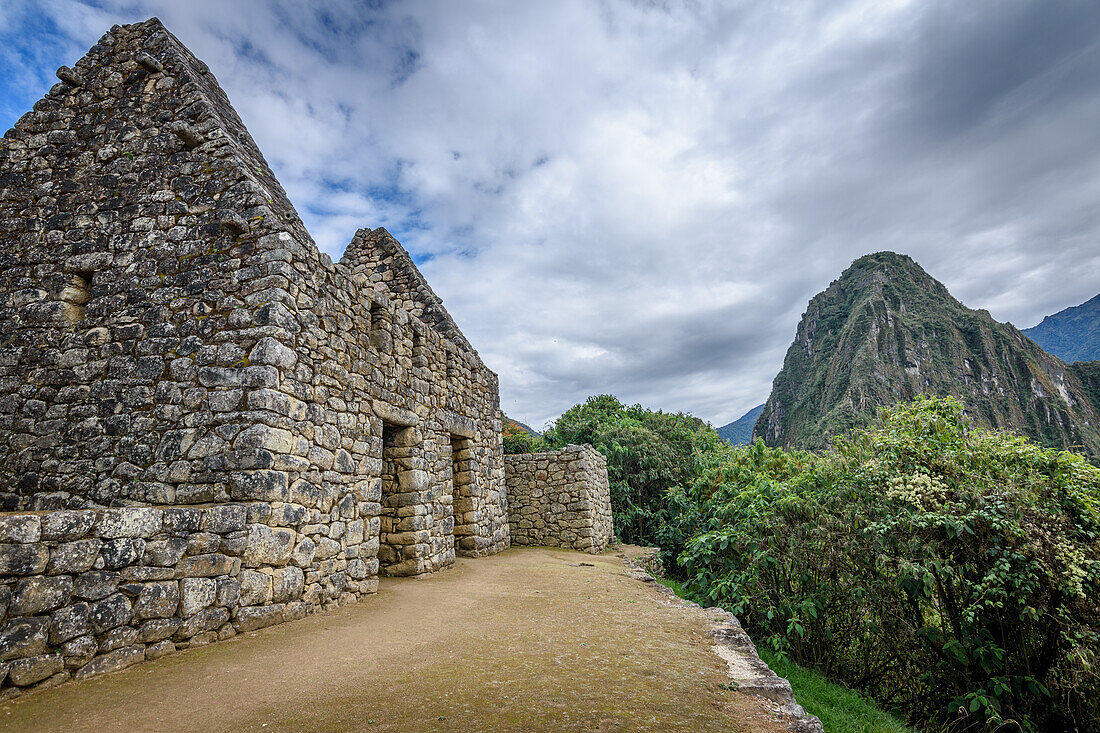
[85, 592]
[559, 499]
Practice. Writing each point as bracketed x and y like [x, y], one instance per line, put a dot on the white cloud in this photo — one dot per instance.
[639, 198]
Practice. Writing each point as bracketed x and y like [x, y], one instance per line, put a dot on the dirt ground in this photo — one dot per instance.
[532, 639]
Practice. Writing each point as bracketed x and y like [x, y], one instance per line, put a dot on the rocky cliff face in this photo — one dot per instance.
[886, 331]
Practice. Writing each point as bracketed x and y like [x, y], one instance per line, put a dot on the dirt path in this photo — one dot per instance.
[528, 640]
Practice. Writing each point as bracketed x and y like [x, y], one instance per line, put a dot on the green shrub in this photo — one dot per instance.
[950, 572]
[648, 455]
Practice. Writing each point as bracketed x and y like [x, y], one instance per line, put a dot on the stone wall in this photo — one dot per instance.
[560, 498]
[170, 333]
[83, 592]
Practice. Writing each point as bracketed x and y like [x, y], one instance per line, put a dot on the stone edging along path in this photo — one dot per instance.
[751, 675]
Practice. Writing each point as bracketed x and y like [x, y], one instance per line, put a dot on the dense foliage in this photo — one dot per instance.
[951, 572]
[518, 439]
[648, 453]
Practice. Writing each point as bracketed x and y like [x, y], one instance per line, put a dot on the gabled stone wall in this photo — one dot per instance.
[559, 498]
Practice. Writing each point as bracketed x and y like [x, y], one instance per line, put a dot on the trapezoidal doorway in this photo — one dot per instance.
[406, 518]
[462, 499]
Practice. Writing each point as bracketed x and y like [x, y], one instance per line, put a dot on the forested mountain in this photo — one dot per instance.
[1072, 334]
[739, 432]
[886, 331]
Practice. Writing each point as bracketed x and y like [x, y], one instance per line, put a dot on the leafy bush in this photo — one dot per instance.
[951, 572]
[518, 440]
[648, 454]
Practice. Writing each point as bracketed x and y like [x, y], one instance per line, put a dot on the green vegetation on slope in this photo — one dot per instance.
[885, 332]
[1072, 334]
[841, 710]
[944, 570]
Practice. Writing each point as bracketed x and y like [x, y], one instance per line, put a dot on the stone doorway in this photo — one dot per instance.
[462, 500]
[404, 542]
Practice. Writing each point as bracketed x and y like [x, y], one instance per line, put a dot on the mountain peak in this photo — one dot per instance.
[886, 331]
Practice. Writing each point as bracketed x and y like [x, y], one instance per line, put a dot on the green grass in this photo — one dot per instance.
[841, 710]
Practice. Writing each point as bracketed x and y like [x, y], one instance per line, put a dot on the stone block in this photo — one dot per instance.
[208, 619]
[79, 651]
[196, 594]
[259, 485]
[24, 637]
[157, 600]
[165, 552]
[287, 584]
[95, 584]
[20, 528]
[129, 522]
[228, 592]
[112, 661]
[119, 553]
[24, 672]
[112, 611]
[159, 649]
[73, 557]
[275, 440]
[268, 546]
[251, 618]
[117, 637]
[23, 559]
[270, 351]
[65, 526]
[223, 518]
[38, 594]
[255, 588]
[207, 566]
[70, 622]
[157, 629]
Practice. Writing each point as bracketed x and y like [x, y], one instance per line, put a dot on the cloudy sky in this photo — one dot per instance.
[640, 197]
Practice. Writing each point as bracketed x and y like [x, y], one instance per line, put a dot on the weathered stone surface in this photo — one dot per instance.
[24, 637]
[228, 592]
[255, 588]
[268, 546]
[224, 518]
[112, 611]
[129, 522]
[73, 557]
[79, 651]
[65, 526]
[287, 584]
[24, 672]
[207, 619]
[112, 661]
[119, 553]
[20, 528]
[196, 594]
[157, 629]
[159, 649]
[38, 594]
[20, 559]
[117, 637]
[251, 618]
[157, 600]
[164, 552]
[206, 566]
[95, 584]
[70, 622]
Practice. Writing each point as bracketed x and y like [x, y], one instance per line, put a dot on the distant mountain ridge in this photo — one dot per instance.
[1072, 334]
[739, 432]
[886, 331]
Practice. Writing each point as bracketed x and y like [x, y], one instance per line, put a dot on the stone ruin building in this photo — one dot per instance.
[206, 425]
